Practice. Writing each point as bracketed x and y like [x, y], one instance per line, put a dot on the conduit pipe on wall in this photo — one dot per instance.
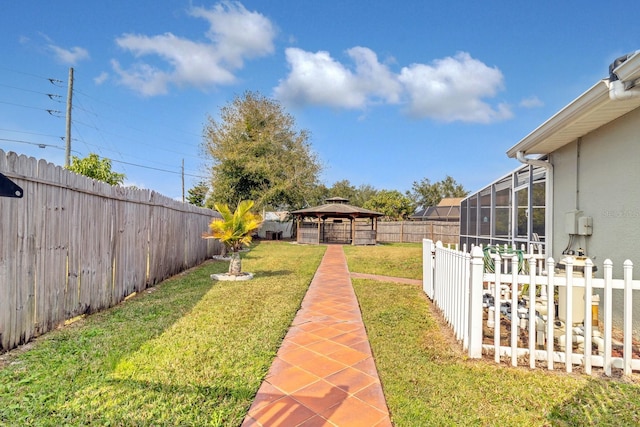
[548, 217]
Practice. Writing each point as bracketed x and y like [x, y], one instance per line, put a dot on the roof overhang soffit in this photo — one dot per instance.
[588, 112]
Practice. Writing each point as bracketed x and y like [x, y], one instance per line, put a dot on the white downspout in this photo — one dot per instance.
[548, 214]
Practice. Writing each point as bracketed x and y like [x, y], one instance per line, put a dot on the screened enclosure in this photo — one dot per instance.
[511, 211]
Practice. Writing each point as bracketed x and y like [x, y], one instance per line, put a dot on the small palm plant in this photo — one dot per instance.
[234, 231]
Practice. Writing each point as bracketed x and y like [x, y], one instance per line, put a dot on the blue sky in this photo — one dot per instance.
[391, 92]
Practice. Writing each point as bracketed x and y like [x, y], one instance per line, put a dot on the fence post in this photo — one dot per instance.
[515, 320]
[588, 315]
[608, 315]
[568, 321]
[475, 303]
[550, 311]
[531, 324]
[427, 267]
[627, 325]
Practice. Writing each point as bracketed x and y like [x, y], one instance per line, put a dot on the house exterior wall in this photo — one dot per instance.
[600, 175]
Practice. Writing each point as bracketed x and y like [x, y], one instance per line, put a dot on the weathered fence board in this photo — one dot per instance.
[415, 231]
[73, 245]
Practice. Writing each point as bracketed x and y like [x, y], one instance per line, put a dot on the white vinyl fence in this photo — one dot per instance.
[72, 245]
[525, 300]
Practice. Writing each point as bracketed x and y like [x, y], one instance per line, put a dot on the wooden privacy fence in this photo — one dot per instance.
[415, 231]
[524, 315]
[73, 245]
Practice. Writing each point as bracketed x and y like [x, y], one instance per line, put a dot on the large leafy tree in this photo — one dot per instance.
[357, 196]
[363, 193]
[343, 189]
[393, 204]
[257, 154]
[424, 193]
[94, 167]
[234, 230]
[317, 196]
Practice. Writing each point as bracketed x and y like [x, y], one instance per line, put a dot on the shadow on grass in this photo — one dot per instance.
[257, 273]
[57, 365]
[151, 402]
[189, 351]
[601, 403]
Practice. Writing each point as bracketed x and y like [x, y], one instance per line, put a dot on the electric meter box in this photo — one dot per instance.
[571, 221]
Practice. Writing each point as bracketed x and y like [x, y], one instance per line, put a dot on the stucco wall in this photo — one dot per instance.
[600, 176]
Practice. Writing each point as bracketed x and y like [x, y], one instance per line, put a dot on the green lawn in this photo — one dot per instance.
[390, 259]
[188, 352]
[194, 352]
[428, 381]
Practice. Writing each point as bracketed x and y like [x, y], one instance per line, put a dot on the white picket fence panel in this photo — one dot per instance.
[456, 282]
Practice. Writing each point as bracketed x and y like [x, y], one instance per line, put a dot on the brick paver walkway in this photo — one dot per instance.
[324, 373]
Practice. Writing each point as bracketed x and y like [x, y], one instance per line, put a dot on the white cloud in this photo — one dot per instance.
[101, 78]
[235, 34]
[454, 89]
[317, 78]
[451, 89]
[531, 102]
[69, 56]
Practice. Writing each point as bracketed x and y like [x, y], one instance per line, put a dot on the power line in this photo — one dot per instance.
[119, 110]
[158, 169]
[38, 144]
[41, 145]
[50, 95]
[30, 74]
[23, 106]
[86, 109]
[29, 133]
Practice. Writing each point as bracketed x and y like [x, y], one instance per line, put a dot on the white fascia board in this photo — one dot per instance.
[597, 95]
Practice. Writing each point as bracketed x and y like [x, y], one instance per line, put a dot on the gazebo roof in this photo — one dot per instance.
[337, 210]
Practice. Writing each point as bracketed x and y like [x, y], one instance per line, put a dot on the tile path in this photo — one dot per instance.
[324, 373]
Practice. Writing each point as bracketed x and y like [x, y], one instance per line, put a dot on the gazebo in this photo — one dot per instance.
[336, 222]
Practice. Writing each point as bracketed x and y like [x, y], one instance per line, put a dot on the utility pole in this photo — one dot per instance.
[67, 158]
[182, 180]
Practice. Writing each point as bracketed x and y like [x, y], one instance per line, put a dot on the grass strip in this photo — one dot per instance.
[188, 352]
[389, 259]
[427, 381]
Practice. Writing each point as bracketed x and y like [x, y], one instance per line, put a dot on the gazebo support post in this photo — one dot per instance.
[353, 231]
[375, 229]
[298, 229]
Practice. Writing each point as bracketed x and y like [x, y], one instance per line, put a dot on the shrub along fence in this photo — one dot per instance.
[415, 231]
[73, 245]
